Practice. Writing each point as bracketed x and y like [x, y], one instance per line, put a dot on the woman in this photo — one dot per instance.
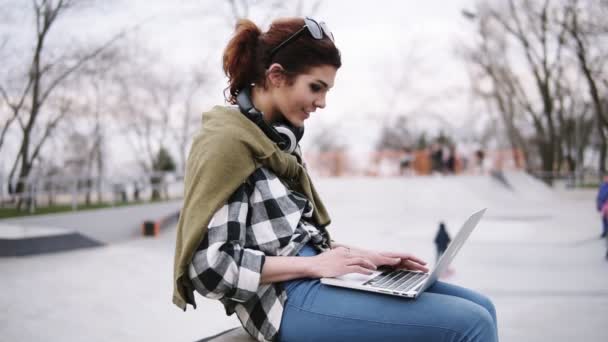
[252, 231]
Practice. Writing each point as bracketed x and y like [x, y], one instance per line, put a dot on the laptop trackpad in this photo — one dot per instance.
[357, 277]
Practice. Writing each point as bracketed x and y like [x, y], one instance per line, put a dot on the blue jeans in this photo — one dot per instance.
[445, 312]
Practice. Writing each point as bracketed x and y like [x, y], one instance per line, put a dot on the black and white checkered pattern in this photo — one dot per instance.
[261, 218]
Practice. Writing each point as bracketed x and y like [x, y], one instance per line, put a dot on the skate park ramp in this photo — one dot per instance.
[83, 229]
[23, 241]
[524, 198]
[529, 187]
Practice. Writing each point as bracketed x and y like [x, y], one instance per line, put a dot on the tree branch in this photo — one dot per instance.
[78, 64]
[47, 132]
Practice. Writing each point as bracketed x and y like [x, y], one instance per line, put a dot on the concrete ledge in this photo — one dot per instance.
[237, 334]
[45, 244]
[153, 227]
[106, 225]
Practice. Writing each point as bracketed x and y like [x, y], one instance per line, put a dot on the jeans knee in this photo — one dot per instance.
[480, 325]
[483, 328]
[489, 305]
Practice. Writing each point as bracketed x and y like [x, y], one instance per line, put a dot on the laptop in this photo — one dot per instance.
[406, 283]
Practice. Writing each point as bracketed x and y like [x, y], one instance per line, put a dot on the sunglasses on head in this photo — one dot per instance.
[316, 29]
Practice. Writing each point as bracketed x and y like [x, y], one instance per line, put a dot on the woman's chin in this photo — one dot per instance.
[296, 122]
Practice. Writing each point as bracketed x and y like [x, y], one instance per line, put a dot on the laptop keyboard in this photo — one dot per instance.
[396, 280]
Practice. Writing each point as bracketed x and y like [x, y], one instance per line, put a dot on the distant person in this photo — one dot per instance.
[465, 153]
[479, 158]
[136, 191]
[120, 192]
[442, 240]
[405, 164]
[450, 162]
[602, 205]
[464, 160]
[437, 158]
[253, 231]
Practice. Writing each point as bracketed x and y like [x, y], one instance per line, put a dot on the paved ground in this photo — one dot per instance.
[536, 253]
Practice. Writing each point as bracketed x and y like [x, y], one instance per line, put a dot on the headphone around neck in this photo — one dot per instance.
[284, 134]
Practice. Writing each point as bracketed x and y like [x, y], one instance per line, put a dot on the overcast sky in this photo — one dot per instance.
[380, 41]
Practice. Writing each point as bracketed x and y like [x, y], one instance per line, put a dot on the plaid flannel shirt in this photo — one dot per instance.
[262, 217]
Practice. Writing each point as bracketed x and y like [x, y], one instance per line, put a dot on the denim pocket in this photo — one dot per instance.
[311, 296]
[289, 285]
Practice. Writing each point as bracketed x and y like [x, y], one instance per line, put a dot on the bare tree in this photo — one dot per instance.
[44, 75]
[139, 121]
[157, 108]
[542, 44]
[587, 29]
[86, 140]
[147, 108]
[267, 10]
[190, 116]
[545, 95]
[396, 135]
[407, 101]
[494, 82]
[232, 10]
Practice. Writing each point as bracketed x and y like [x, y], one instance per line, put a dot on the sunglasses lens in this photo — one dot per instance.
[313, 28]
[325, 29]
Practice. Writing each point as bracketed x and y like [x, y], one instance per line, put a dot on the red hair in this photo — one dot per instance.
[246, 56]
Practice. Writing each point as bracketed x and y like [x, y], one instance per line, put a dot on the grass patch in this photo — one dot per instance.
[64, 208]
[591, 186]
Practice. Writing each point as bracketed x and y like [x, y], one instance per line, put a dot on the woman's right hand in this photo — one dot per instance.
[340, 261]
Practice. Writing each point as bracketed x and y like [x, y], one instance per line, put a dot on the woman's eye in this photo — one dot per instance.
[315, 87]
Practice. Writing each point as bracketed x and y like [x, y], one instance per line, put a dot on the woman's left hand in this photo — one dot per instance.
[407, 261]
[376, 258]
[397, 260]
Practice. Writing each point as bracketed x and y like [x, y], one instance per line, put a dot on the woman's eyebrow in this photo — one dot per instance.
[323, 84]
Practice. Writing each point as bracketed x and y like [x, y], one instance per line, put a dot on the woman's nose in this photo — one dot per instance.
[320, 102]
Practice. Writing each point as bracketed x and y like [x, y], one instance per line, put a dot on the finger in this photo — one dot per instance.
[414, 266]
[416, 259]
[362, 262]
[359, 269]
[405, 256]
[365, 263]
[396, 255]
[390, 261]
[421, 269]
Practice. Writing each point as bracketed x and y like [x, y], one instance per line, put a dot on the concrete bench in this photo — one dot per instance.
[237, 334]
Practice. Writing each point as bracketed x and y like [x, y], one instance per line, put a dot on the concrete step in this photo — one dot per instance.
[18, 241]
[237, 334]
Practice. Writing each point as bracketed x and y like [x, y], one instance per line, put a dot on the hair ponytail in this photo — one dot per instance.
[246, 56]
[240, 57]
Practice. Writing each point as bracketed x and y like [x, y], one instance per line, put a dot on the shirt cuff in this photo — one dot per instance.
[250, 272]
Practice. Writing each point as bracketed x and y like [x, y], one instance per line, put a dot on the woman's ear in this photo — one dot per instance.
[276, 75]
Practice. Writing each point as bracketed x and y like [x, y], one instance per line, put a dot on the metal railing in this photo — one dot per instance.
[569, 179]
[83, 190]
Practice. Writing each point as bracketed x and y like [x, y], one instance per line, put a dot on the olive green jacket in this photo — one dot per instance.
[226, 151]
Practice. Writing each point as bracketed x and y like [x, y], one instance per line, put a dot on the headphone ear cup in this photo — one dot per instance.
[289, 136]
[285, 135]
